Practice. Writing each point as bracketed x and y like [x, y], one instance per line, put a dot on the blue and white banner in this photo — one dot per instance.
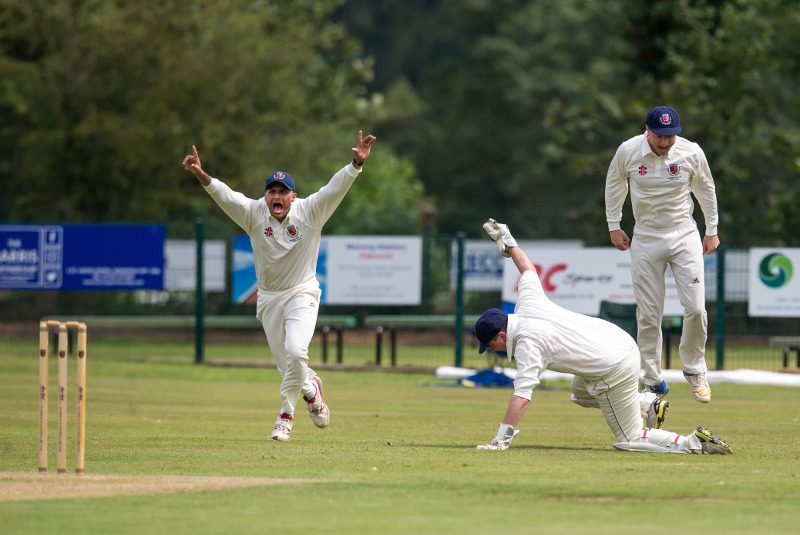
[385, 270]
[483, 264]
[244, 287]
[82, 257]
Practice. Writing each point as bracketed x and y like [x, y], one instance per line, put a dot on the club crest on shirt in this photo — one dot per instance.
[293, 233]
[673, 169]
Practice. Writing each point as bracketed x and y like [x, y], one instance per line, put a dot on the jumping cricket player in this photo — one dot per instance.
[662, 171]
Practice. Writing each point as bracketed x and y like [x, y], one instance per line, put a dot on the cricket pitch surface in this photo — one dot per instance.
[18, 486]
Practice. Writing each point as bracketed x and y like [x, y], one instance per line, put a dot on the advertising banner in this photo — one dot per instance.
[180, 273]
[579, 279]
[774, 289]
[483, 264]
[82, 257]
[244, 286]
[374, 270]
[385, 270]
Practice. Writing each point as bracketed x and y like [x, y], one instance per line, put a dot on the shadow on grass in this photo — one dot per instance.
[514, 447]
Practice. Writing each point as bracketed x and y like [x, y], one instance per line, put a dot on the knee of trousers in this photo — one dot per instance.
[296, 368]
[694, 313]
[646, 325]
[584, 402]
[296, 353]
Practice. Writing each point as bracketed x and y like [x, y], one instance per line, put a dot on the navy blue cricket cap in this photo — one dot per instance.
[281, 178]
[488, 325]
[664, 121]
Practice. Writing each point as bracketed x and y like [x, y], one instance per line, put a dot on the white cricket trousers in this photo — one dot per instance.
[651, 252]
[289, 319]
[617, 395]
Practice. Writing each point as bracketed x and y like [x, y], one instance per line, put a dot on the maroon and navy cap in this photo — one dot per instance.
[281, 178]
[664, 121]
[488, 325]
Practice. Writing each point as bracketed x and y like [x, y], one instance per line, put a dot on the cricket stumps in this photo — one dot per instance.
[63, 330]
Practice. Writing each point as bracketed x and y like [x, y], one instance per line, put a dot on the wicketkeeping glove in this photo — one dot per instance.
[505, 434]
[499, 233]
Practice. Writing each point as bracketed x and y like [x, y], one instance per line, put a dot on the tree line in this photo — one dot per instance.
[504, 108]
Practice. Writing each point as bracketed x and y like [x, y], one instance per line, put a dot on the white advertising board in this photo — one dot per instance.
[180, 259]
[579, 279]
[373, 270]
[483, 264]
[774, 288]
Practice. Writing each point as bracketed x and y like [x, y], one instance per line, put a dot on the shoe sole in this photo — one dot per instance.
[280, 438]
[707, 439]
[701, 394]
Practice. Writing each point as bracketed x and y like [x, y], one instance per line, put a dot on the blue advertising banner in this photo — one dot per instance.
[82, 257]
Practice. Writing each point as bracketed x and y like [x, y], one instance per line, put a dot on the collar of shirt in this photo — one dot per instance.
[645, 148]
[286, 220]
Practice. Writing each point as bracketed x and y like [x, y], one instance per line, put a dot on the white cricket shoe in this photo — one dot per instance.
[282, 429]
[700, 388]
[317, 408]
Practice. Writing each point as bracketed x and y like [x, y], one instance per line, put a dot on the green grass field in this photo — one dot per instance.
[399, 456]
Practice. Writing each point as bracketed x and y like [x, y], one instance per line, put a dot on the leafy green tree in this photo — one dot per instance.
[523, 102]
[101, 99]
[385, 178]
[735, 70]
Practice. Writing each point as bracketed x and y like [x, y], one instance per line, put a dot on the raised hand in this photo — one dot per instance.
[363, 147]
[192, 164]
[499, 233]
[192, 161]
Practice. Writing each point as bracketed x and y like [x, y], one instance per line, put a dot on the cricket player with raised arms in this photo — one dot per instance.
[604, 359]
[285, 232]
[662, 171]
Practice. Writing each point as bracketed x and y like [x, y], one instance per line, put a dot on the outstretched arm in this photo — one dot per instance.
[191, 163]
[520, 259]
[506, 431]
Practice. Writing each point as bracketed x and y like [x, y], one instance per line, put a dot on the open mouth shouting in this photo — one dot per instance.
[276, 209]
[279, 200]
[660, 145]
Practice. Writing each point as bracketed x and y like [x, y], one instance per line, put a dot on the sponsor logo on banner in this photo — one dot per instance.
[775, 270]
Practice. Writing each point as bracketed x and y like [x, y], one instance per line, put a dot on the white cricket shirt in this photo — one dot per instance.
[285, 253]
[660, 186]
[542, 335]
